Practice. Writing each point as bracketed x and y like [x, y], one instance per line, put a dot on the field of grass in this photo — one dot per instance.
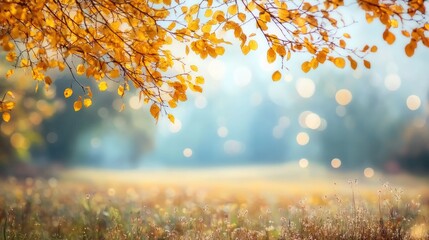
[243, 203]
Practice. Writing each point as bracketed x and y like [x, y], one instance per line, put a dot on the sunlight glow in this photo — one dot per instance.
[368, 172]
[200, 102]
[303, 163]
[413, 102]
[336, 163]
[302, 138]
[233, 147]
[392, 82]
[187, 152]
[19, 141]
[305, 87]
[343, 97]
[217, 69]
[242, 76]
[313, 121]
[135, 103]
[222, 132]
[176, 126]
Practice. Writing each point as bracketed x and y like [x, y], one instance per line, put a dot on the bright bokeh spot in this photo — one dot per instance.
[343, 97]
[19, 141]
[303, 163]
[135, 103]
[302, 138]
[305, 87]
[217, 69]
[392, 82]
[368, 172]
[242, 76]
[313, 121]
[233, 147]
[336, 163]
[419, 231]
[264, 65]
[187, 152]
[222, 132]
[413, 102]
[288, 77]
[176, 126]
[200, 102]
[35, 118]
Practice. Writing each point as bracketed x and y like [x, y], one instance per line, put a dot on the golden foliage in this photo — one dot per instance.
[128, 42]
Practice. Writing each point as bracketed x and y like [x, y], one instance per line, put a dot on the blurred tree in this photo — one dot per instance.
[129, 42]
[17, 137]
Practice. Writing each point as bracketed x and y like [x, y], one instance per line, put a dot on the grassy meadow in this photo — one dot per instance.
[276, 202]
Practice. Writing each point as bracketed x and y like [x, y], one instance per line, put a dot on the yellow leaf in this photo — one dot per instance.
[102, 86]
[281, 50]
[121, 90]
[374, 49]
[9, 73]
[199, 80]
[367, 64]
[389, 37]
[77, 105]
[50, 22]
[171, 26]
[87, 102]
[68, 92]
[409, 49]
[172, 103]
[394, 23]
[8, 105]
[25, 62]
[276, 76]
[253, 45]
[245, 49]
[232, 10]
[6, 116]
[11, 56]
[342, 43]
[115, 73]
[154, 111]
[208, 13]
[242, 17]
[171, 118]
[339, 62]
[305, 66]
[353, 63]
[10, 94]
[194, 68]
[220, 50]
[271, 55]
[80, 69]
[346, 35]
[48, 80]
